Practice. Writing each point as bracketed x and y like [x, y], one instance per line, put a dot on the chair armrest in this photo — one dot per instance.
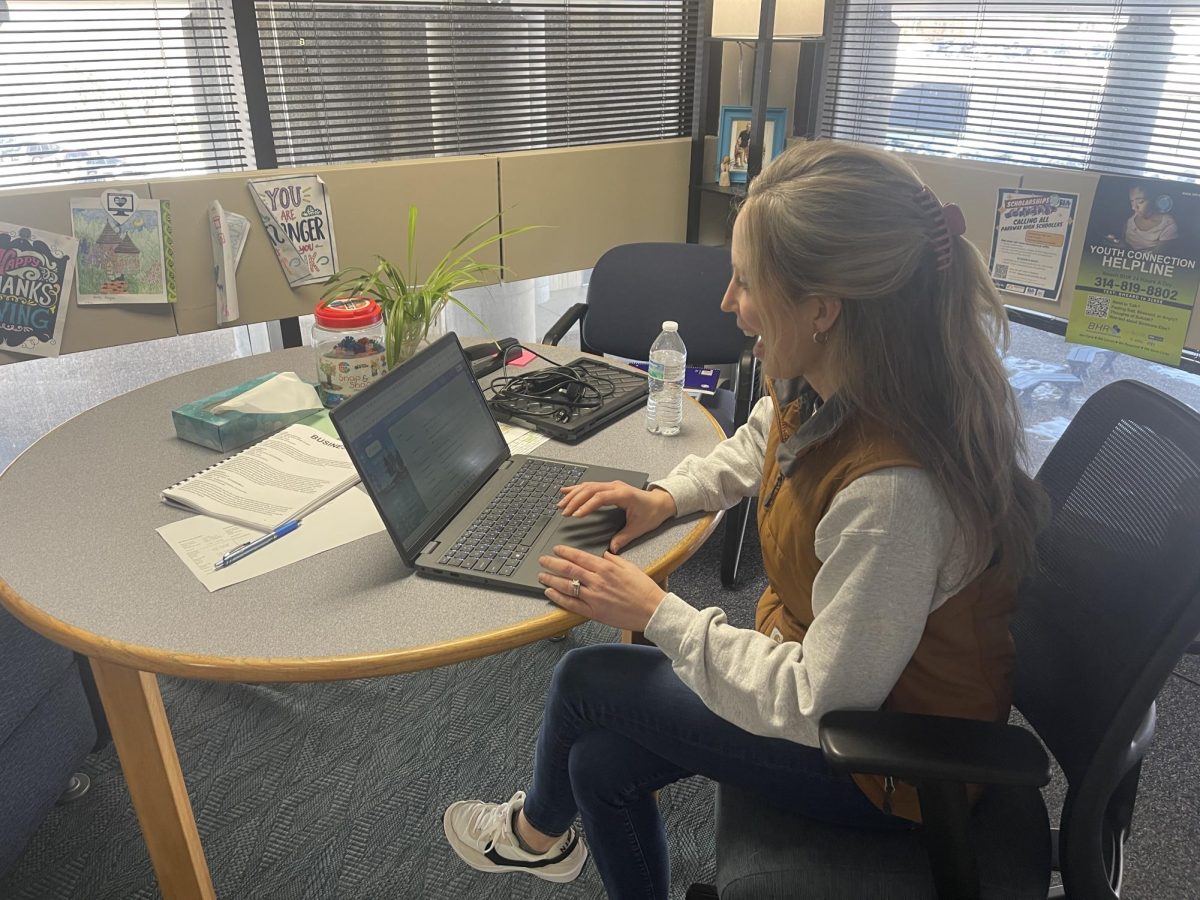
[919, 748]
[563, 325]
[744, 389]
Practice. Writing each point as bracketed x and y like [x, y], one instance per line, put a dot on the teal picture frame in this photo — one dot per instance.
[733, 139]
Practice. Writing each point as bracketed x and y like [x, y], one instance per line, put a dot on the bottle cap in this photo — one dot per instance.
[670, 326]
[347, 312]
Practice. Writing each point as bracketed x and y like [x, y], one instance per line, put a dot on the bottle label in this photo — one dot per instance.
[656, 370]
[341, 377]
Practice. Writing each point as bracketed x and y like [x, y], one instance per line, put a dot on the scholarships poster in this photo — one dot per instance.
[36, 270]
[1030, 241]
[1138, 277]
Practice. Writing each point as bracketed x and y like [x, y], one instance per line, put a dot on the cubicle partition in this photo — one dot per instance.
[588, 198]
[370, 218]
[593, 198]
[973, 186]
[87, 327]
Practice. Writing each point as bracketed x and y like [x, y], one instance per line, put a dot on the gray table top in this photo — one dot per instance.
[84, 565]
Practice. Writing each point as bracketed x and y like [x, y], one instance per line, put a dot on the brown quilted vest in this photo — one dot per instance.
[964, 659]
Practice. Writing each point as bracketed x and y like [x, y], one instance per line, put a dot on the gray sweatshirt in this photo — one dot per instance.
[891, 553]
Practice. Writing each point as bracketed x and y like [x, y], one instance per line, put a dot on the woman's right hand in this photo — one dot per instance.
[644, 510]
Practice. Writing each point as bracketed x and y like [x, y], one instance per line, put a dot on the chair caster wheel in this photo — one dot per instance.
[76, 788]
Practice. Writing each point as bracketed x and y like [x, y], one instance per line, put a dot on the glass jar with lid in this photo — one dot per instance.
[350, 342]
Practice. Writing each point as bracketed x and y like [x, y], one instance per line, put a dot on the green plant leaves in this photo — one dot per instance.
[409, 303]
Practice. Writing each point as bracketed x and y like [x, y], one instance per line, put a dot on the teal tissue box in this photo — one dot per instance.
[196, 422]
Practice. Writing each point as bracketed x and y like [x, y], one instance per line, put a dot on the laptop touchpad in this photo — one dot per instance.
[591, 533]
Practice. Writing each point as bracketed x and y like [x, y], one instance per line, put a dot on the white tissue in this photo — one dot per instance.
[284, 393]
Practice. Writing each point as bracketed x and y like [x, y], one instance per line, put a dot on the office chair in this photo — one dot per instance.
[634, 288]
[1112, 605]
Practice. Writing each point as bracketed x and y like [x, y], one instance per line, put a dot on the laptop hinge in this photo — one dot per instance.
[431, 546]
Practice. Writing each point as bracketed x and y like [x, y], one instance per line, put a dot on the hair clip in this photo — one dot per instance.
[948, 223]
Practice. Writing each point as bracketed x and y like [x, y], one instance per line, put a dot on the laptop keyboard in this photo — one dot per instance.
[497, 541]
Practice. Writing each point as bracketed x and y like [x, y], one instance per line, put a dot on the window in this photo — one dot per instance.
[362, 81]
[101, 89]
[1108, 85]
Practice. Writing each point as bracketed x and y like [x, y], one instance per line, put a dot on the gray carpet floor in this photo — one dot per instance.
[336, 790]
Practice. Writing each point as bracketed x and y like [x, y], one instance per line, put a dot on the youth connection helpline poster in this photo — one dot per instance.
[1138, 277]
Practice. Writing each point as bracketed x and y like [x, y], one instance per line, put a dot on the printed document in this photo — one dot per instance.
[283, 477]
[201, 541]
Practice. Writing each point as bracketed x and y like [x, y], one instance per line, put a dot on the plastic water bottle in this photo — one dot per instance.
[668, 357]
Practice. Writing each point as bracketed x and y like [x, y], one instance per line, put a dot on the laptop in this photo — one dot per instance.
[455, 501]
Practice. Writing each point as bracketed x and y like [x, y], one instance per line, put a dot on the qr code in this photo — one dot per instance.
[1001, 270]
[1097, 308]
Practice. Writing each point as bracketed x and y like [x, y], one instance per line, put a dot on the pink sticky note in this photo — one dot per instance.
[524, 359]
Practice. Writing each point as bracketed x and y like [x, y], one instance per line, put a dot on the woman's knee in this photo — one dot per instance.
[602, 670]
[600, 767]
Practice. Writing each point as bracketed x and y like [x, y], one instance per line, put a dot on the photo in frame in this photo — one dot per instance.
[733, 139]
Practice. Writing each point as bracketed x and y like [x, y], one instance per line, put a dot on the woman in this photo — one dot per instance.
[893, 517]
[1148, 228]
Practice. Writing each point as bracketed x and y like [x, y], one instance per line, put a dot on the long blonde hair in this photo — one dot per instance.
[915, 348]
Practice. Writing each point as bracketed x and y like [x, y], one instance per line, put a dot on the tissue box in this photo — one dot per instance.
[230, 430]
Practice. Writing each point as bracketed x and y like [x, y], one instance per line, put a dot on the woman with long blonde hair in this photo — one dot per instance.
[894, 519]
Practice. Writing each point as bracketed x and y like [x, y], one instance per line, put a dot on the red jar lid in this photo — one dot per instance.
[348, 312]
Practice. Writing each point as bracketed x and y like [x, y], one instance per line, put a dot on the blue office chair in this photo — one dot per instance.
[47, 728]
[634, 288]
[1113, 604]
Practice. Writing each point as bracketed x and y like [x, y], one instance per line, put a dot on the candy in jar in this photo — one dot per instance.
[349, 339]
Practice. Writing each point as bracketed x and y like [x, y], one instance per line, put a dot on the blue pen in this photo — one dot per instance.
[244, 550]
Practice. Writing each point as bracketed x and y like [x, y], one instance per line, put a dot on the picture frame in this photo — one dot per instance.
[733, 139]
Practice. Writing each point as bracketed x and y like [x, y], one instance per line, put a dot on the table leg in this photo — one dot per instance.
[147, 752]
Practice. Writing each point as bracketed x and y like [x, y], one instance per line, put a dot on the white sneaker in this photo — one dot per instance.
[481, 834]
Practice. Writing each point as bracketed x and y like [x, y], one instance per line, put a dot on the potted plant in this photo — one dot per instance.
[411, 304]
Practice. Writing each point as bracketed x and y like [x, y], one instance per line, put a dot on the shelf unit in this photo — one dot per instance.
[706, 113]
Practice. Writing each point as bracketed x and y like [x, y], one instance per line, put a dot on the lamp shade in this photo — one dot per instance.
[739, 18]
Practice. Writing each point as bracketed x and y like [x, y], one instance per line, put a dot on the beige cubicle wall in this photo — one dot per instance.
[86, 327]
[587, 198]
[974, 187]
[592, 199]
[370, 206]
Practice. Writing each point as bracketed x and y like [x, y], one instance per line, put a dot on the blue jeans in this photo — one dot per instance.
[619, 725]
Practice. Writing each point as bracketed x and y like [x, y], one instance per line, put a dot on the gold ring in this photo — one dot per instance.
[575, 586]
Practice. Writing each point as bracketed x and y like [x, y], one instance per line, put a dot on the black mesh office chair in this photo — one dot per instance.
[634, 288]
[1112, 606]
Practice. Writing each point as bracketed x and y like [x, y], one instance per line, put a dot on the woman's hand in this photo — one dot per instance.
[644, 510]
[608, 589]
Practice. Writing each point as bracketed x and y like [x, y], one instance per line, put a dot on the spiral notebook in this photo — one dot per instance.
[282, 477]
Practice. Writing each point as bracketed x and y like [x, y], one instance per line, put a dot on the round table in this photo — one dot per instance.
[85, 567]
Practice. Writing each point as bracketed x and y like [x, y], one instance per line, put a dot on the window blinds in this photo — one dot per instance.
[363, 81]
[99, 89]
[1107, 85]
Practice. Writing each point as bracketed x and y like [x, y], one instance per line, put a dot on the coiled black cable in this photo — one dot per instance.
[558, 392]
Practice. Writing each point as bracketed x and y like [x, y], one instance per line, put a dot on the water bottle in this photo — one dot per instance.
[668, 357]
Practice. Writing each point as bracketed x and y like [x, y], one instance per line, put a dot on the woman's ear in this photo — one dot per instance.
[827, 311]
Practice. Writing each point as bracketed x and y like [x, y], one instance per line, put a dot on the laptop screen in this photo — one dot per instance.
[424, 442]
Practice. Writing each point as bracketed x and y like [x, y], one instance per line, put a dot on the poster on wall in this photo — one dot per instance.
[1030, 241]
[1138, 277]
[298, 219]
[36, 270]
[125, 253]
